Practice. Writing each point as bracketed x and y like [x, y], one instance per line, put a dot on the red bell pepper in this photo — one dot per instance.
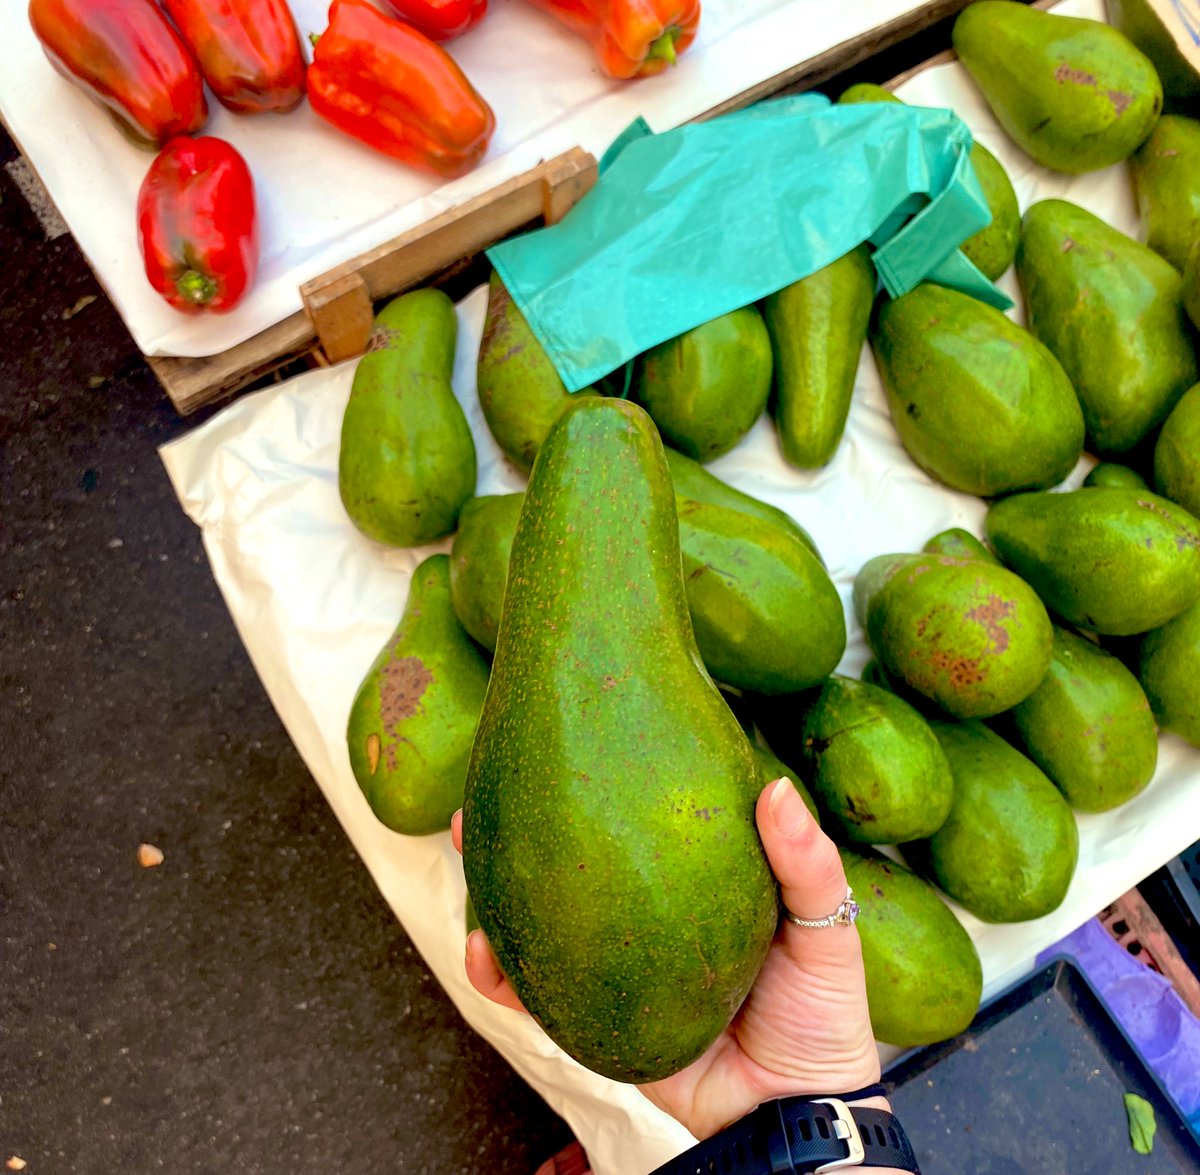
[197, 225]
[248, 50]
[632, 38]
[391, 87]
[440, 20]
[125, 55]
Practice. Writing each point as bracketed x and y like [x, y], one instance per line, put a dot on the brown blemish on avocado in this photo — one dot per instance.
[374, 749]
[961, 670]
[402, 685]
[1077, 77]
[1120, 101]
[381, 338]
[990, 614]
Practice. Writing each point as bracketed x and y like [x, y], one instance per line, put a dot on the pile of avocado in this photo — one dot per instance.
[604, 669]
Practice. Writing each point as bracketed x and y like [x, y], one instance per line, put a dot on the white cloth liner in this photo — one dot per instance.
[324, 198]
[314, 601]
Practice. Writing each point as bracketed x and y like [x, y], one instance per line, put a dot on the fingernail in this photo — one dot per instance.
[787, 809]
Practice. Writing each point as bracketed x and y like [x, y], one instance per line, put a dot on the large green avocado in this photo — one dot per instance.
[1166, 184]
[1169, 670]
[965, 633]
[406, 462]
[1008, 849]
[954, 368]
[519, 388]
[992, 248]
[817, 328]
[1075, 94]
[707, 387]
[1088, 726]
[1177, 453]
[413, 717]
[876, 768]
[1110, 559]
[1111, 311]
[924, 978]
[609, 841]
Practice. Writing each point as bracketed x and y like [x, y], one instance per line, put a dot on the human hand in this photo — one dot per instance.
[804, 1028]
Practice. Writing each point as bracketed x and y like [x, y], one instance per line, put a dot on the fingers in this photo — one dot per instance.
[485, 975]
[805, 861]
[456, 830]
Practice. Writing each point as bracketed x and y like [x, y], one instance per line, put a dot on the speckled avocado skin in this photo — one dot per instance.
[609, 841]
[479, 558]
[706, 387]
[406, 458]
[1111, 311]
[1075, 94]
[967, 634]
[1008, 849]
[519, 389]
[1169, 670]
[817, 328]
[1109, 559]
[413, 717]
[993, 248]
[1166, 185]
[924, 977]
[1088, 726]
[1177, 453]
[953, 367]
[876, 767]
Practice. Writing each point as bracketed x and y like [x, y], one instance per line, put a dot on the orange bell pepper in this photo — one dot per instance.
[632, 38]
[391, 87]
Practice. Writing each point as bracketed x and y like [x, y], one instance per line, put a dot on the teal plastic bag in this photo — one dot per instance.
[692, 223]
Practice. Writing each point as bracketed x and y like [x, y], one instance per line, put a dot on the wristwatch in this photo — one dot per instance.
[801, 1136]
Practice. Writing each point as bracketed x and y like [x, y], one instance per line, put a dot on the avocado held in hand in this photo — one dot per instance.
[609, 841]
[413, 718]
[1074, 94]
[924, 978]
[706, 388]
[406, 463]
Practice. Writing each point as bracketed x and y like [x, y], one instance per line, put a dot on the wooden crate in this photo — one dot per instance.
[339, 305]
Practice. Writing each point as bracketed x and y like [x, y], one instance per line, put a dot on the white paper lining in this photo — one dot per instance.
[314, 601]
[324, 198]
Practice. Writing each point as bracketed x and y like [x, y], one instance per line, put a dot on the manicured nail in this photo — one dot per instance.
[787, 808]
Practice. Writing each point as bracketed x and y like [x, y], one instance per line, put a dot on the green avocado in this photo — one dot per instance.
[609, 840]
[1074, 94]
[519, 389]
[766, 615]
[967, 634]
[954, 367]
[1166, 185]
[413, 717]
[876, 768]
[992, 248]
[707, 387]
[1145, 27]
[924, 978]
[1169, 670]
[1088, 726]
[1008, 849]
[1177, 453]
[1111, 311]
[817, 327]
[406, 462]
[773, 768]
[958, 544]
[1110, 473]
[479, 559]
[1110, 559]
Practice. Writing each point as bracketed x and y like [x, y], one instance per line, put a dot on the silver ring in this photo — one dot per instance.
[845, 915]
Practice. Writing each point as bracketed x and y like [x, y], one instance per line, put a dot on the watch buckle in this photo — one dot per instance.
[845, 1129]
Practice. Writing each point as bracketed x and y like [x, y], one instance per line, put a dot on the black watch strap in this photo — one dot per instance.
[800, 1136]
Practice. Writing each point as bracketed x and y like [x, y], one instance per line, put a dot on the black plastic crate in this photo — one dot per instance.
[1173, 893]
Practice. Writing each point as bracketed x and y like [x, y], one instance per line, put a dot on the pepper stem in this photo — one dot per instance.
[196, 287]
[664, 47]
